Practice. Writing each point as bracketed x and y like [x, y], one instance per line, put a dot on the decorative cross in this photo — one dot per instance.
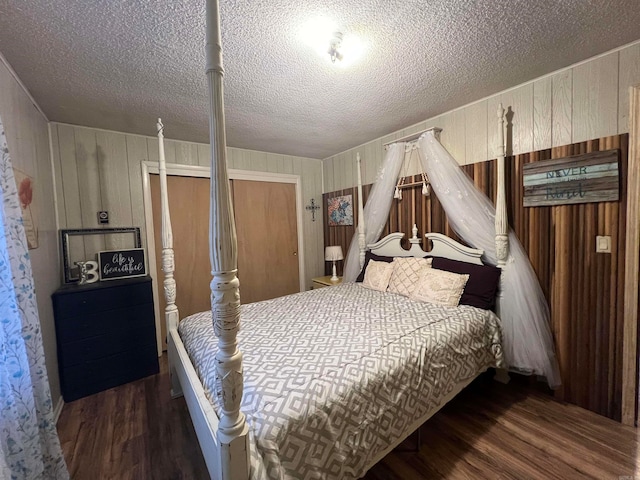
[313, 207]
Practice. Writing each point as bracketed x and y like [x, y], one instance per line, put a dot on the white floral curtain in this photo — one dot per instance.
[29, 445]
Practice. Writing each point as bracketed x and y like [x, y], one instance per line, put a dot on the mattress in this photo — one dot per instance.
[336, 375]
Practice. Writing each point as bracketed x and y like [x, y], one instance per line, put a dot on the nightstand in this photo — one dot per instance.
[320, 282]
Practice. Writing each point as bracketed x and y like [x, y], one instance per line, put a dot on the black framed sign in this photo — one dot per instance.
[116, 264]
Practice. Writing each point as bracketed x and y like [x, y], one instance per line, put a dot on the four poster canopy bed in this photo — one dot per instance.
[323, 384]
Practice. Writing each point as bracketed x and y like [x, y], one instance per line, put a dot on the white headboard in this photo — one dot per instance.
[443, 246]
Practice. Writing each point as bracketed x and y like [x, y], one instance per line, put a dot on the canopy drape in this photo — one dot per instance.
[376, 211]
[523, 309]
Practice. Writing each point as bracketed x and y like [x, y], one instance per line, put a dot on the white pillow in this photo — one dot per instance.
[440, 287]
[377, 275]
[406, 273]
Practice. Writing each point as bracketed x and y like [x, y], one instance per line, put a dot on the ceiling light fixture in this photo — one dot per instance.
[334, 47]
[325, 36]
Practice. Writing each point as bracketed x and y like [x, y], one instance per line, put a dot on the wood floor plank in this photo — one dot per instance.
[587, 455]
[489, 431]
[494, 441]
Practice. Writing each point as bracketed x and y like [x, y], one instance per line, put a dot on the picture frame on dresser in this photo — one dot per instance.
[70, 272]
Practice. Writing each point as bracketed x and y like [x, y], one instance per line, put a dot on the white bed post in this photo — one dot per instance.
[225, 294]
[361, 227]
[502, 223]
[172, 317]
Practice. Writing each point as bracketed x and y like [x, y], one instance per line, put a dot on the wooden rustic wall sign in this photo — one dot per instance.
[590, 177]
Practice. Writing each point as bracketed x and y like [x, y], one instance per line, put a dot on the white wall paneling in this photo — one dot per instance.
[542, 92]
[518, 103]
[629, 77]
[476, 132]
[90, 189]
[453, 134]
[595, 98]
[111, 153]
[137, 153]
[561, 108]
[101, 170]
[585, 101]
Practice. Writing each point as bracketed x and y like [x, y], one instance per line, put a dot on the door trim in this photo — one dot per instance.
[632, 275]
[150, 168]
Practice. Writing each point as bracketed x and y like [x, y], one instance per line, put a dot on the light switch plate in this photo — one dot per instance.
[603, 244]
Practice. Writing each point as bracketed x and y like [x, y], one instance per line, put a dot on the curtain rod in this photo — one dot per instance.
[413, 136]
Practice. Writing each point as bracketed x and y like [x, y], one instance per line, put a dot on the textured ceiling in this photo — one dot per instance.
[119, 64]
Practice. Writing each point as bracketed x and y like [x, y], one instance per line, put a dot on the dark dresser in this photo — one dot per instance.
[106, 335]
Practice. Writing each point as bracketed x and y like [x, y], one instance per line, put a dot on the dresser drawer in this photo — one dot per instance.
[72, 329]
[96, 347]
[83, 302]
[94, 376]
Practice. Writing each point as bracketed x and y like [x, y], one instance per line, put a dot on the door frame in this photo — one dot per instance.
[151, 168]
[630, 351]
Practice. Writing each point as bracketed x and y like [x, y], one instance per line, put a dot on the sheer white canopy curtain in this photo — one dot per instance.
[376, 211]
[29, 445]
[524, 312]
[523, 309]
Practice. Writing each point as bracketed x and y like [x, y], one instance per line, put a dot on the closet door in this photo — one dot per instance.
[189, 207]
[266, 224]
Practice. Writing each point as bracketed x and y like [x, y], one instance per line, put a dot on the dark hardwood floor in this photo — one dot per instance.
[489, 431]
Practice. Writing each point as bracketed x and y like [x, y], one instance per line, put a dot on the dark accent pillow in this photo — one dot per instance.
[371, 256]
[481, 288]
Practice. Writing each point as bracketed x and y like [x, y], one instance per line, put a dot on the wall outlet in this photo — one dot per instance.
[603, 244]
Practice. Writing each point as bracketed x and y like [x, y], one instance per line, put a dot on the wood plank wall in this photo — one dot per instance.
[585, 289]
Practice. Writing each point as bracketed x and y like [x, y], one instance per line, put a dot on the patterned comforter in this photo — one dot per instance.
[334, 376]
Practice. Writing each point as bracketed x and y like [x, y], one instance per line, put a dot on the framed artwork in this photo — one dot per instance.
[340, 210]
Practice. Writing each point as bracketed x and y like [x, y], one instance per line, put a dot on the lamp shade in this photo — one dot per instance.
[333, 253]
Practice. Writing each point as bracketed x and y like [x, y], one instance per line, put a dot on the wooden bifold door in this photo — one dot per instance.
[266, 224]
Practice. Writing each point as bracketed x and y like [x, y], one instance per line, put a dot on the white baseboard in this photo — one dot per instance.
[58, 409]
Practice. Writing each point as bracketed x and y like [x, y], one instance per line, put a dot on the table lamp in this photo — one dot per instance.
[331, 254]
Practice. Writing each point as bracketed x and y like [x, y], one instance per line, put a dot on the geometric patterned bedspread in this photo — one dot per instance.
[335, 375]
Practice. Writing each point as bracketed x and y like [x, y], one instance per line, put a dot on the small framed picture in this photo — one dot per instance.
[340, 210]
